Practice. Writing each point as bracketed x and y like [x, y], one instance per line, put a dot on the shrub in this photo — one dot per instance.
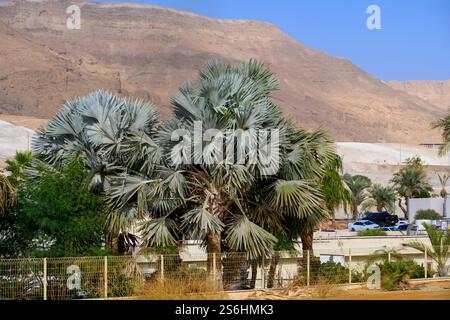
[60, 214]
[428, 214]
[185, 284]
[395, 275]
[372, 233]
[334, 272]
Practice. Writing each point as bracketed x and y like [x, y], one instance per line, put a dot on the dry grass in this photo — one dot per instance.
[179, 289]
[325, 287]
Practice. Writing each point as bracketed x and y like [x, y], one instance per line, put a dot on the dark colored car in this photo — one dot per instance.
[383, 218]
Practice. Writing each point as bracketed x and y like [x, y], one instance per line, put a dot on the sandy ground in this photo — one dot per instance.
[388, 153]
[430, 290]
[421, 290]
[24, 121]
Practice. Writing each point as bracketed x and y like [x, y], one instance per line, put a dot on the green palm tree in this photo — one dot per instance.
[17, 167]
[381, 197]
[358, 186]
[7, 193]
[411, 182]
[444, 125]
[439, 250]
[443, 179]
[335, 191]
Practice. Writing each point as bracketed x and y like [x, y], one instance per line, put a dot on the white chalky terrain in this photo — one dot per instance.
[13, 138]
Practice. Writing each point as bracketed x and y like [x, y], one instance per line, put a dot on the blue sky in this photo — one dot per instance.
[412, 44]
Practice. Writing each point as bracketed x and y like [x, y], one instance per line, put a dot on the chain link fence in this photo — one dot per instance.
[155, 276]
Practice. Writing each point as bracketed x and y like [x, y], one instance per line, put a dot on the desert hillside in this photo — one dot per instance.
[147, 52]
[436, 92]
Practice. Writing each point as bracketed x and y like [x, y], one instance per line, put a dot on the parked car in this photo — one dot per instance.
[362, 225]
[402, 222]
[383, 218]
[403, 227]
[391, 228]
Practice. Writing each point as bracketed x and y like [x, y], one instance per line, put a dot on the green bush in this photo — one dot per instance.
[372, 233]
[60, 214]
[395, 275]
[428, 214]
[336, 273]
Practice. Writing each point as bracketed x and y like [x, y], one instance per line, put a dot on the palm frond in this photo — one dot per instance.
[296, 197]
[245, 236]
[199, 221]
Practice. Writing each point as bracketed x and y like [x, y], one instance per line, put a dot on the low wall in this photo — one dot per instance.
[440, 205]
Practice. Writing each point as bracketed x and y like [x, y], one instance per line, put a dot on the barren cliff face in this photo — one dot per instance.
[148, 52]
[435, 92]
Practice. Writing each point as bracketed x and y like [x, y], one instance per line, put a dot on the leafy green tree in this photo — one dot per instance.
[444, 125]
[439, 250]
[59, 213]
[411, 182]
[358, 186]
[381, 197]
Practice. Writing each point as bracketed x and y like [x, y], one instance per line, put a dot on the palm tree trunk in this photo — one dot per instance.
[442, 271]
[333, 215]
[307, 245]
[254, 271]
[405, 210]
[213, 247]
[355, 212]
[272, 269]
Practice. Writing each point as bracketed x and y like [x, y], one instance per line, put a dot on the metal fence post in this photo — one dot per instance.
[162, 267]
[45, 279]
[105, 276]
[307, 268]
[426, 264]
[263, 280]
[349, 265]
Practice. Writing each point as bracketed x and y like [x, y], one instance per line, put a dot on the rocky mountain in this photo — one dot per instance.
[435, 92]
[148, 52]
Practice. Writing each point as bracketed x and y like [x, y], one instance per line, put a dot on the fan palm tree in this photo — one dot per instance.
[17, 166]
[240, 204]
[439, 250]
[411, 182]
[113, 137]
[444, 125]
[443, 179]
[380, 197]
[358, 186]
[169, 183]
